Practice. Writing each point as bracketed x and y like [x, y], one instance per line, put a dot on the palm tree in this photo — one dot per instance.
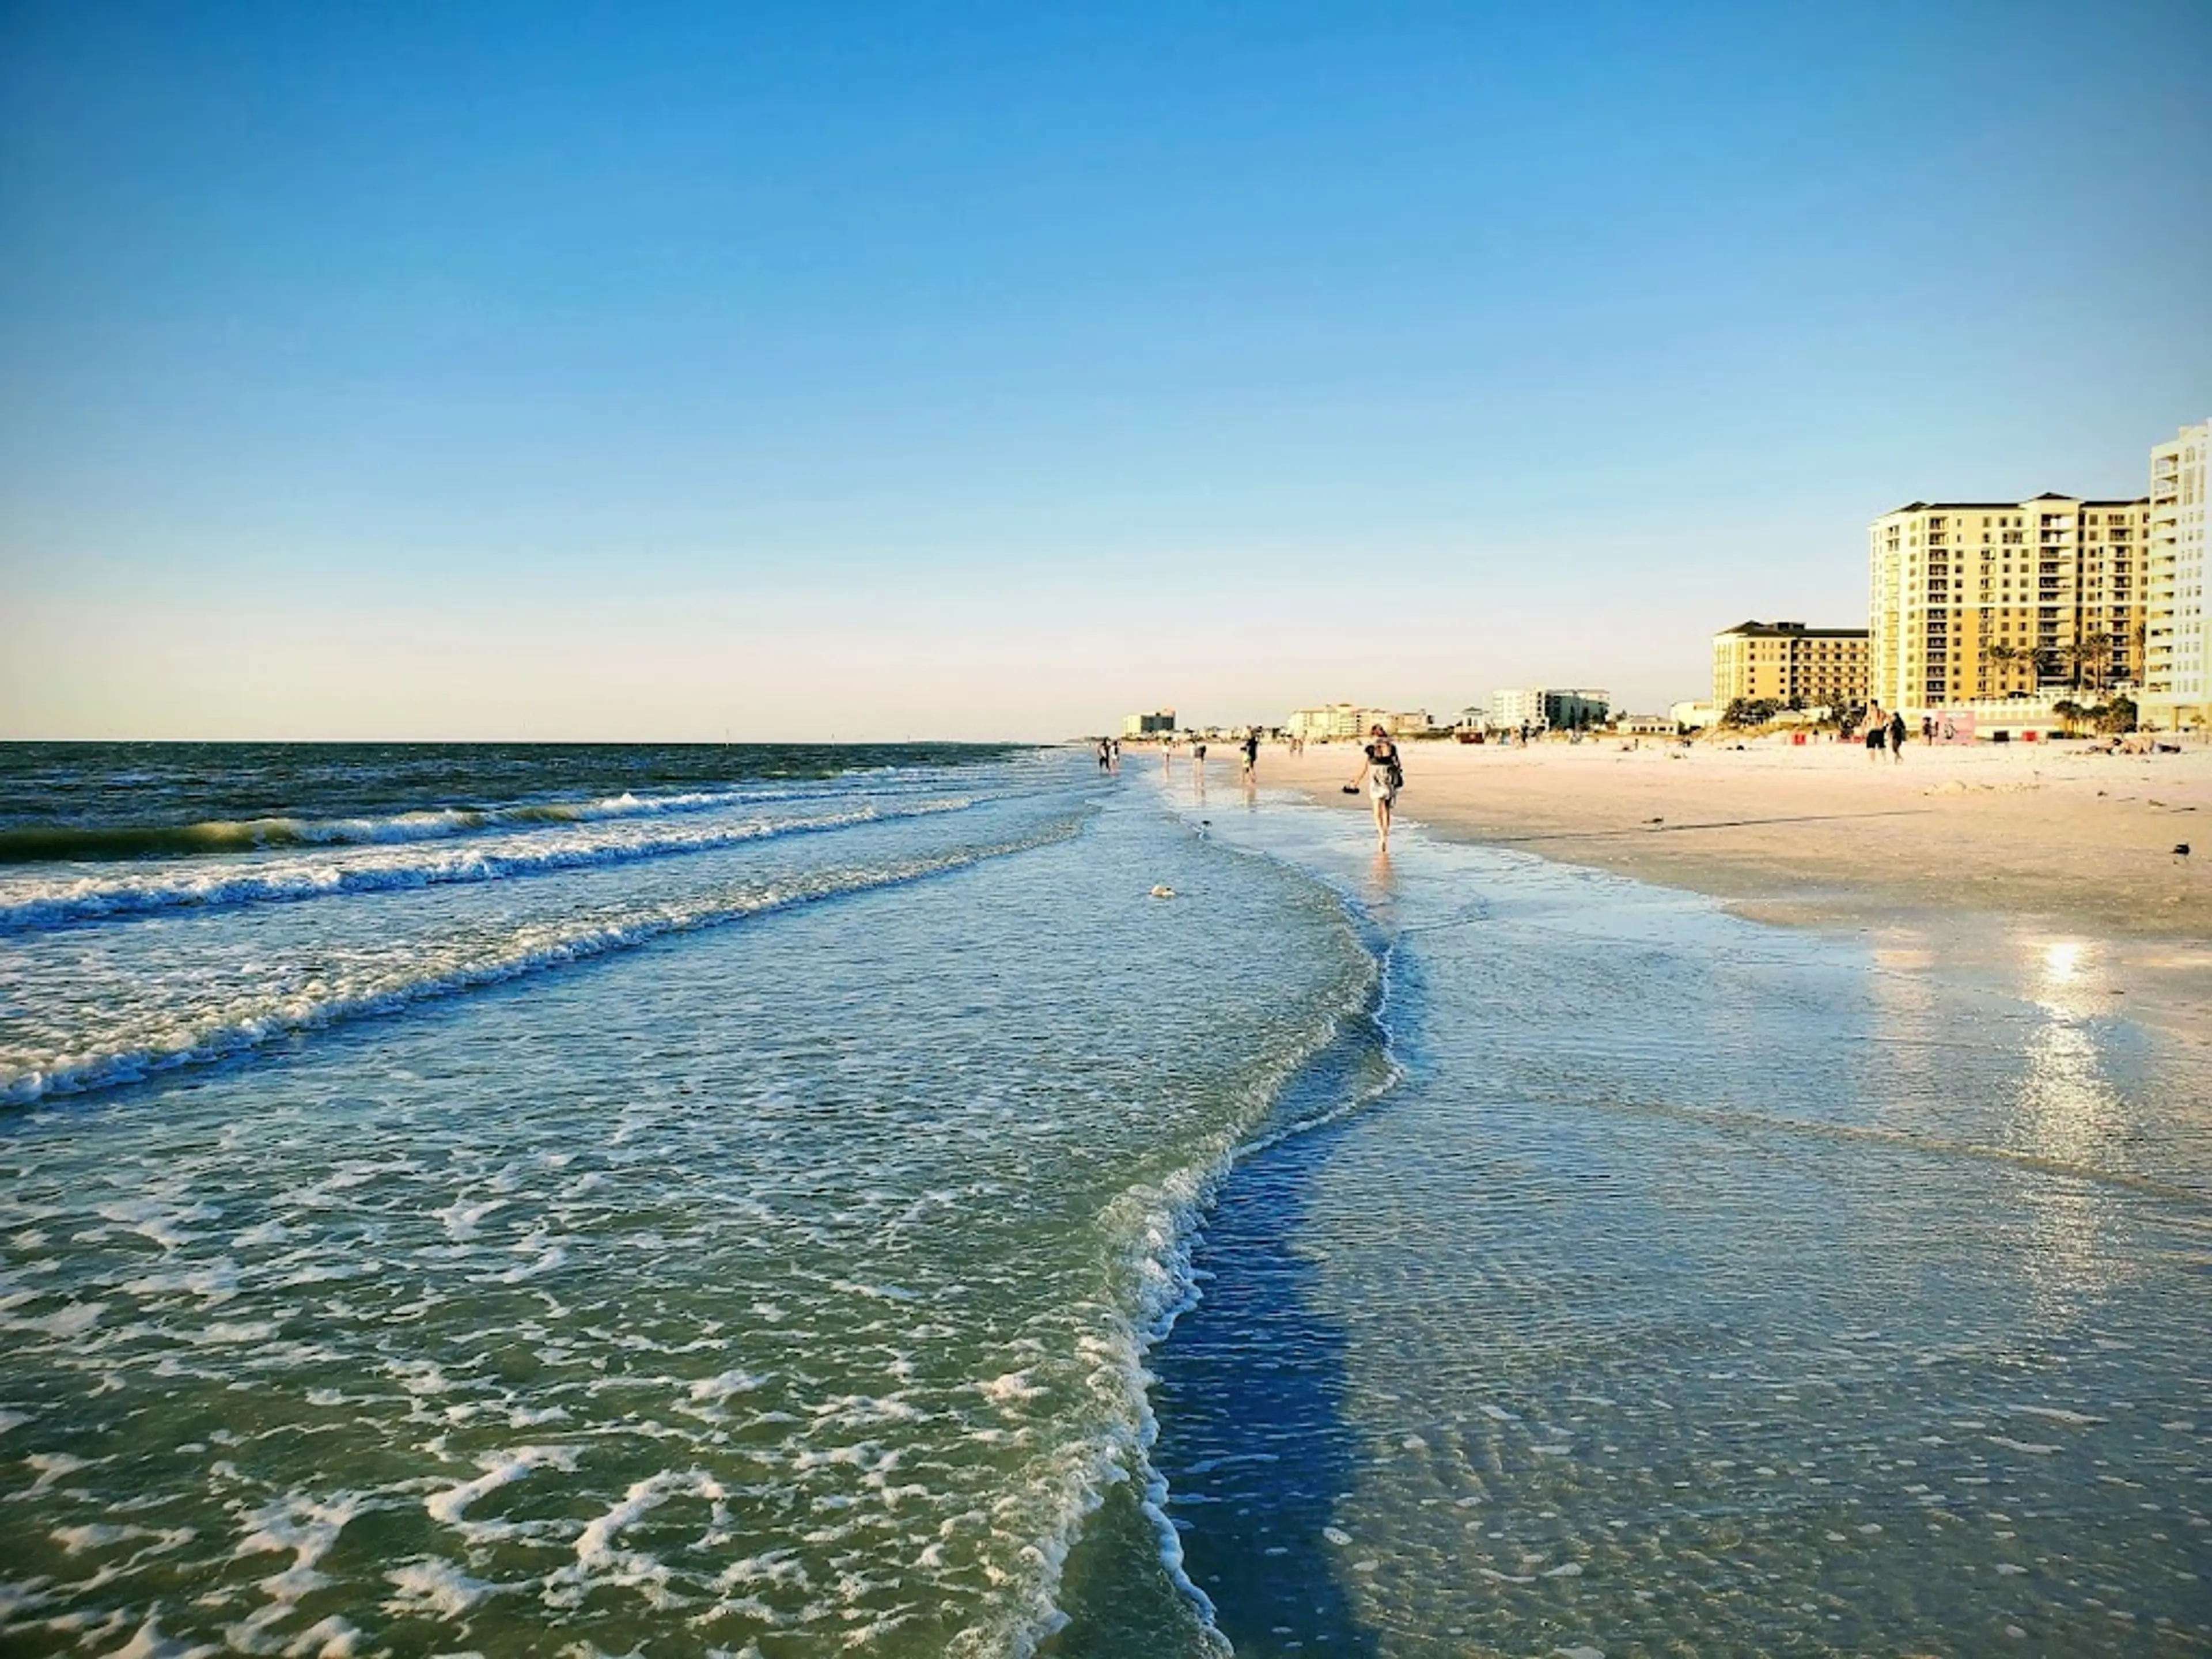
[2004, 656]
[2076, 652]
[2068, 711]
[2092, 652]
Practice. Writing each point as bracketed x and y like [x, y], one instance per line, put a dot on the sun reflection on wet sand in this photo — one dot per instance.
[2070, 1113]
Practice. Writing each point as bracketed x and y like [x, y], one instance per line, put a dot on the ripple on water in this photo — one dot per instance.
[1662, 1308]
[721, 1291]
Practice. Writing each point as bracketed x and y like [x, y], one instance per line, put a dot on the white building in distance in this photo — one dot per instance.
[2176, 662]
[1333, 721]
[1344, 722]
[1548, 708]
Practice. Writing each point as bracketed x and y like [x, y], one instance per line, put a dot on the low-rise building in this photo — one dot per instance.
[1333, 721]
[1148, 725]
[1790, 665]
[1555, 709]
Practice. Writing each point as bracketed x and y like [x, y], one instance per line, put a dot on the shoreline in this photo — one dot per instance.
[1969, 856]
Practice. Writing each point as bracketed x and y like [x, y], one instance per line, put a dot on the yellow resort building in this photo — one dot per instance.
[1980, 599]
[1788, 663]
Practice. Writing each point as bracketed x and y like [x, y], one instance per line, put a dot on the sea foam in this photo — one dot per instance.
[35, 904]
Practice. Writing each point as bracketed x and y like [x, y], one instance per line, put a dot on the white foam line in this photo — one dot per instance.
[450, 1505]
[1173, 1215]
[91, 899]
[530, 952]
[1171, 1284]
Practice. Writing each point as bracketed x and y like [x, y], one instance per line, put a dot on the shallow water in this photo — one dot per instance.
[1703, 1288]
[748, 1224]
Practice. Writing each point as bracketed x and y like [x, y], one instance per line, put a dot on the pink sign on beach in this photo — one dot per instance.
[1954, 726]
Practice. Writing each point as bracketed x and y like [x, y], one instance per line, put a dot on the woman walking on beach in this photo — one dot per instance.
[1384, 777]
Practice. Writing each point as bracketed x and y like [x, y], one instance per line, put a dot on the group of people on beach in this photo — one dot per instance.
[1249, 749]
[1881, 729]
[1382, 772]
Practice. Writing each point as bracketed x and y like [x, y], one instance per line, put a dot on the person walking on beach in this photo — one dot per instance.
[1876, 726]
[1897, 739]
[1384, 777]
[1252, 755]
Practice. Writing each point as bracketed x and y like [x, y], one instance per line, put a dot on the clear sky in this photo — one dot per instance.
[671, 371]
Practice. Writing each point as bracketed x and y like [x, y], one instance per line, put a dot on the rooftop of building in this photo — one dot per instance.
[1790, 630]
[2007, 507]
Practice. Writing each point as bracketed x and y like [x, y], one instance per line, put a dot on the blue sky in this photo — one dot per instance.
[546, 370]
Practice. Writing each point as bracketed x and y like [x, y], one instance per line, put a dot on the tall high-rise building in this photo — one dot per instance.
[2177, 648]
[1974, 599]
[1791, 664]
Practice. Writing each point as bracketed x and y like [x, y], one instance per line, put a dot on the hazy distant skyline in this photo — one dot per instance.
[568, 371]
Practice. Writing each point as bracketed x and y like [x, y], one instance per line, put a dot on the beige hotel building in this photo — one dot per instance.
[1975, 599]
[1791, 664]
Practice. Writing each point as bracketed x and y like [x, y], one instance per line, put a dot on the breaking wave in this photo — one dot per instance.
[467, 964]
[56, 904]
[44, 843]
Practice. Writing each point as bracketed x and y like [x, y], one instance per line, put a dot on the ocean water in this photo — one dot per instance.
[790, 1202]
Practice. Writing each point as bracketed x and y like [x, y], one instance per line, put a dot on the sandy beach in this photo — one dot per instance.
[1964, 846]
[2055, 835]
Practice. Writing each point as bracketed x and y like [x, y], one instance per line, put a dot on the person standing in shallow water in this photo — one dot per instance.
[1252, 755]
[1383, 776]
